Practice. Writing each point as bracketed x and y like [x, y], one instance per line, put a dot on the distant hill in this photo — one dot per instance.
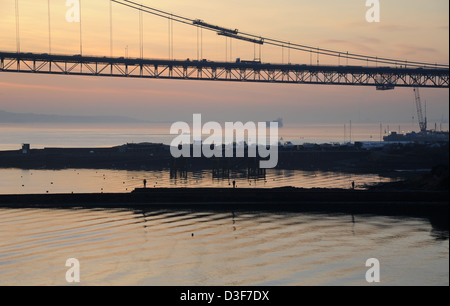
[7, 117]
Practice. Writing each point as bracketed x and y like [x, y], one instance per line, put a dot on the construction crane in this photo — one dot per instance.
[422, 119]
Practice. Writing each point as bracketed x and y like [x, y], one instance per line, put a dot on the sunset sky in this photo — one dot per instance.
[414, 30]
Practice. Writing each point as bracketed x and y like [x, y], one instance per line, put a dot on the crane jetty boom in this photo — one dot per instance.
[422, 119]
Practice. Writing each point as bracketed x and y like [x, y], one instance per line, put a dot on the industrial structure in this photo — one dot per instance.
[425, 135]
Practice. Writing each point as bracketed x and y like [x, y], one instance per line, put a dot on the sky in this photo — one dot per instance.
[414, 30]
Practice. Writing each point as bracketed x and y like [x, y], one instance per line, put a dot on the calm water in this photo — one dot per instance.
[17, 181]
[127, 247]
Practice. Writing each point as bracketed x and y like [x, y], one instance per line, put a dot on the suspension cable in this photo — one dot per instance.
[49, 30]
[141, 34]
[198, 43]
[17, 27]
[81, 34]
[280, 43]
[110, 28]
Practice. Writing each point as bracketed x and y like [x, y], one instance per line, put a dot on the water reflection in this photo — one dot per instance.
[16, 181]
[191, 247]
[440, 227]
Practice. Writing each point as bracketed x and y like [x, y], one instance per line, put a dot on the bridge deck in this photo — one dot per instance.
[380, 77]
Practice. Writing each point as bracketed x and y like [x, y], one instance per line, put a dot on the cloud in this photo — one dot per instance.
[371, 40]
[109, 91]
[391, 27]
[412, 50]
[383, 26]
[443, 28]
[350, 46]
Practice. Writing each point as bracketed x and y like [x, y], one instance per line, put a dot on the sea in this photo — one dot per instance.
[208, 248]
[159, 247]
[106, 135]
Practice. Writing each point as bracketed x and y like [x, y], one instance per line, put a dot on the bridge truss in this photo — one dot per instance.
[380, 77]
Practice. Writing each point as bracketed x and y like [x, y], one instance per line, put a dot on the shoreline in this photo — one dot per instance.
[350, 158]
[405, 203]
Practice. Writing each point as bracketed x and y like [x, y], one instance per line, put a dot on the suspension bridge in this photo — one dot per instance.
[379, 72]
